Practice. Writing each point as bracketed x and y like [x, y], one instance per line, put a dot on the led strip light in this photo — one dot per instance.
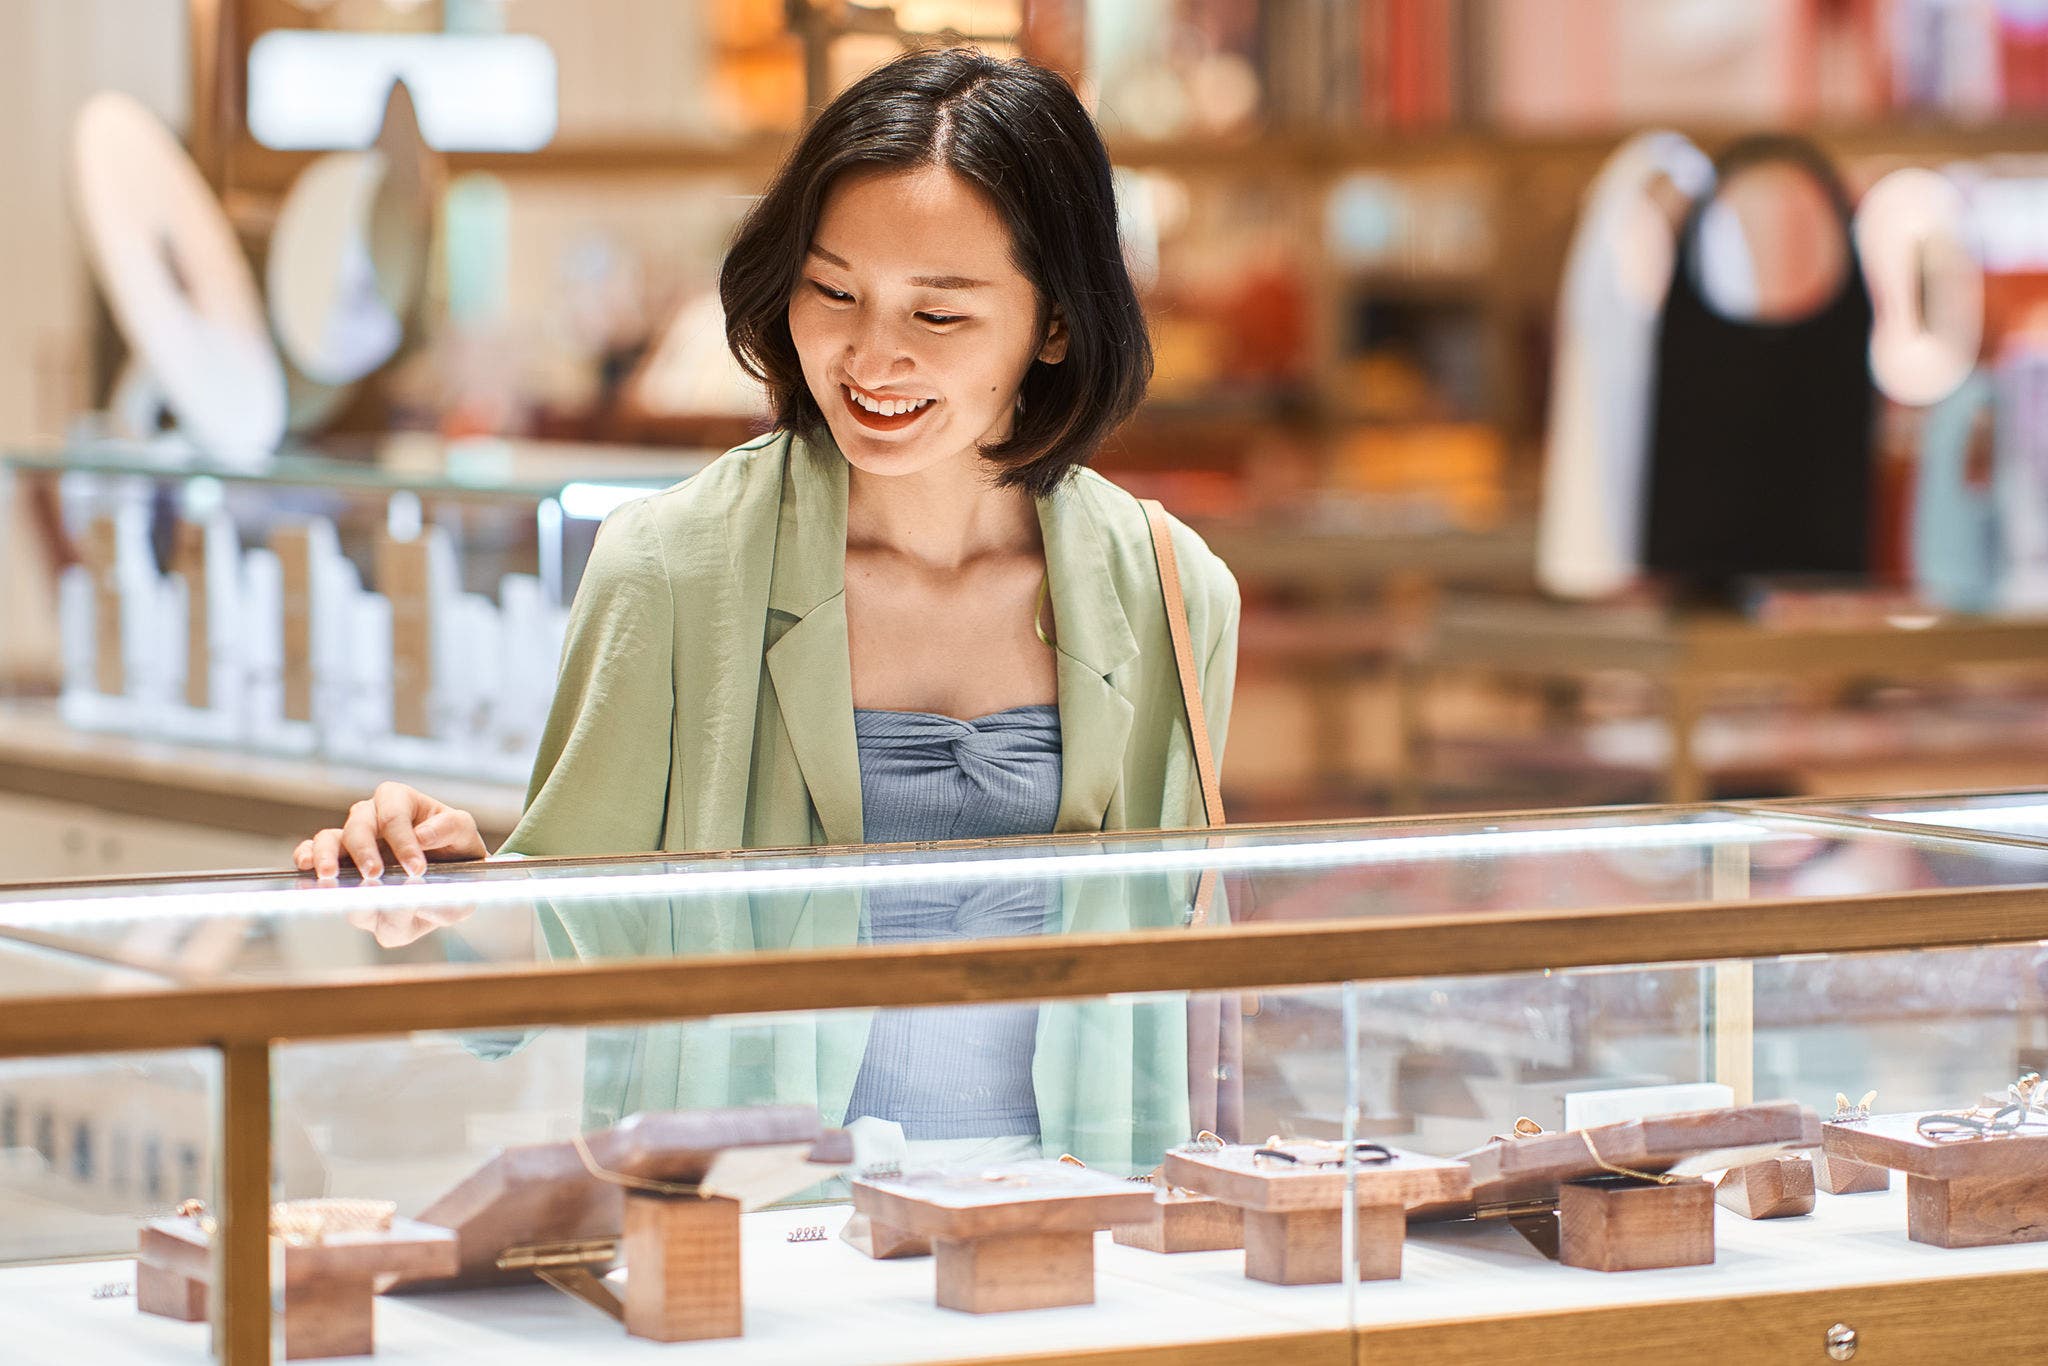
[407, 896]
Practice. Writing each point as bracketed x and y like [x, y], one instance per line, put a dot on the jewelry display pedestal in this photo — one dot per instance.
[1776, 1188]
[162, 1291]
[1018, 1236]
[1970, 1192]
[1184, 1222]
[1532, 1171]
[1842, 1176]
[682, 1257]
[544, 1207]
[1617, 1223]
[880, 1241]
[328, 1286]
[1293, 1215]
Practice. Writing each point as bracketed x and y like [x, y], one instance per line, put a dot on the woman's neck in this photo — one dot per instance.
[940, 518]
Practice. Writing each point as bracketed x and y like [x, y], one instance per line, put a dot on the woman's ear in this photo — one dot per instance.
[1055, 349]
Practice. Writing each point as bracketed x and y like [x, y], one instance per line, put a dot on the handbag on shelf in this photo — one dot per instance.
[1215, 1024]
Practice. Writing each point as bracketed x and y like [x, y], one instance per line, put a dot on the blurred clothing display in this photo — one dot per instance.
[1589, 538]
[1761, 434]
[2020, 478]
[1955, 555]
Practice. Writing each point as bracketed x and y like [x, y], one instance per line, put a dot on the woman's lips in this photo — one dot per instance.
[875, 422]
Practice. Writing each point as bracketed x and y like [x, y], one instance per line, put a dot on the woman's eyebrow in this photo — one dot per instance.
[921, 281]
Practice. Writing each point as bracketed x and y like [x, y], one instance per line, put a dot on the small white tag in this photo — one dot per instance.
[764, 1173]
[1591, 1109]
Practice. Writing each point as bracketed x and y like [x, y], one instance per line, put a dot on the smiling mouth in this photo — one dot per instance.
[883, 415]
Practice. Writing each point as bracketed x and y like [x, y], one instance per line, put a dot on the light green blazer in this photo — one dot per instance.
[706, 703]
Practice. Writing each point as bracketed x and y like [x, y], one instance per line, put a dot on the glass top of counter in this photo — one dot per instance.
[276, 928]
[2018, 814]
[415, 462]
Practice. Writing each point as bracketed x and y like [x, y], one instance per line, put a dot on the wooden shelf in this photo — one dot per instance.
[255, 167]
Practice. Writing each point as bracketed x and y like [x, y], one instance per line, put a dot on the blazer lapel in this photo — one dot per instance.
[1094, 640]
[809, 664]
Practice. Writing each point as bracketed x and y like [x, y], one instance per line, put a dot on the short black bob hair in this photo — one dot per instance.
[1016, 132]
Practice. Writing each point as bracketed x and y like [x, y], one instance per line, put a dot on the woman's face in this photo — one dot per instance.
[913, 325]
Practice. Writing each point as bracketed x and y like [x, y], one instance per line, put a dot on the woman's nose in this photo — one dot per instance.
[874, 351]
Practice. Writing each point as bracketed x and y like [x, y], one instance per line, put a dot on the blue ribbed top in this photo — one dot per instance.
[955, 1071]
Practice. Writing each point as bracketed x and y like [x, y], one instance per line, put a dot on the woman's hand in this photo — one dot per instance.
[398, 824]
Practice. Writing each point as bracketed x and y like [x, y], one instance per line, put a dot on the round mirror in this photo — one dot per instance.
[176, 281]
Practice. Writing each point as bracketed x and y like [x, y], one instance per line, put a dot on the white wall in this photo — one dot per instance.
[54, 53]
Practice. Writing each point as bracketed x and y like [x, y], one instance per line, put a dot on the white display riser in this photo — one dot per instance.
[808, 1303]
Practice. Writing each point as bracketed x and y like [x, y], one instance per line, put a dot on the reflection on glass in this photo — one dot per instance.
[91, 1147]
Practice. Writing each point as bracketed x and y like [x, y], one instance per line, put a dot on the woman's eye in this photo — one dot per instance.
[837, 296]
[941, 319]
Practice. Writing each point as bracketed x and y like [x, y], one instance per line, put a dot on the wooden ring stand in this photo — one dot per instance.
[328, 1286]
[1185, 1223]
[1617, 1223]
[1775, 1188]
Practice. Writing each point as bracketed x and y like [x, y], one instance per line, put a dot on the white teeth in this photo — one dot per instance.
[888, 407]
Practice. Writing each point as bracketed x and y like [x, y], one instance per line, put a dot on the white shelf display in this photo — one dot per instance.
[281, 645]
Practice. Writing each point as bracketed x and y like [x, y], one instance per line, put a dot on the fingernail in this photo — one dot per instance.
[415, 867]
[372, 871]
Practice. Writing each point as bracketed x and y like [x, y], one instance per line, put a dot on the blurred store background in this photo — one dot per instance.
[1598, 400]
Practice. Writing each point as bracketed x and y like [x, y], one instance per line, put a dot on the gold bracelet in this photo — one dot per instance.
[1660, 1178]
[301, 1223]
[633, 1183]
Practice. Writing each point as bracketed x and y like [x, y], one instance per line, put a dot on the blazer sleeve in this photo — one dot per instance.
[600, 782]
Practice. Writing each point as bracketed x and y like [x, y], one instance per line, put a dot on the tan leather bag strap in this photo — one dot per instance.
[1184, 661]
[1215, 1027]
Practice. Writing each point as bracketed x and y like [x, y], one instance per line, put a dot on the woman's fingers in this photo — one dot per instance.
[396, 823]
[397, 807]
[451, 834]
[326, 854]
[359, 839]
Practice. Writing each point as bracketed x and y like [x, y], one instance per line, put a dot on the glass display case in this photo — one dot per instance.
[1588, 1082]
[404, 609]
[2018, 815]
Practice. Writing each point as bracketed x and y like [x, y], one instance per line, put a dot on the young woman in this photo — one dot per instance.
[934, 293]
[908, 613]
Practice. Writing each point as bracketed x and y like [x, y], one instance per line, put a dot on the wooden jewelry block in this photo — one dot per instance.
[328, 1286]
[1843, 1176]
[1621, 1224]
[1182, 1222]
[160, 1290]
[682, 1257]
[1973, 1192]
[882, 1242]
[1008, 1271]
[1306, 1247]
[1016, 1236]
[1525, 1171]
[1776, 1188]
[540, 1198]
[1293, 1214]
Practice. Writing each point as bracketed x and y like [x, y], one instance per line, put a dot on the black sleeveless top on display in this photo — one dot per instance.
[1760, 442]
